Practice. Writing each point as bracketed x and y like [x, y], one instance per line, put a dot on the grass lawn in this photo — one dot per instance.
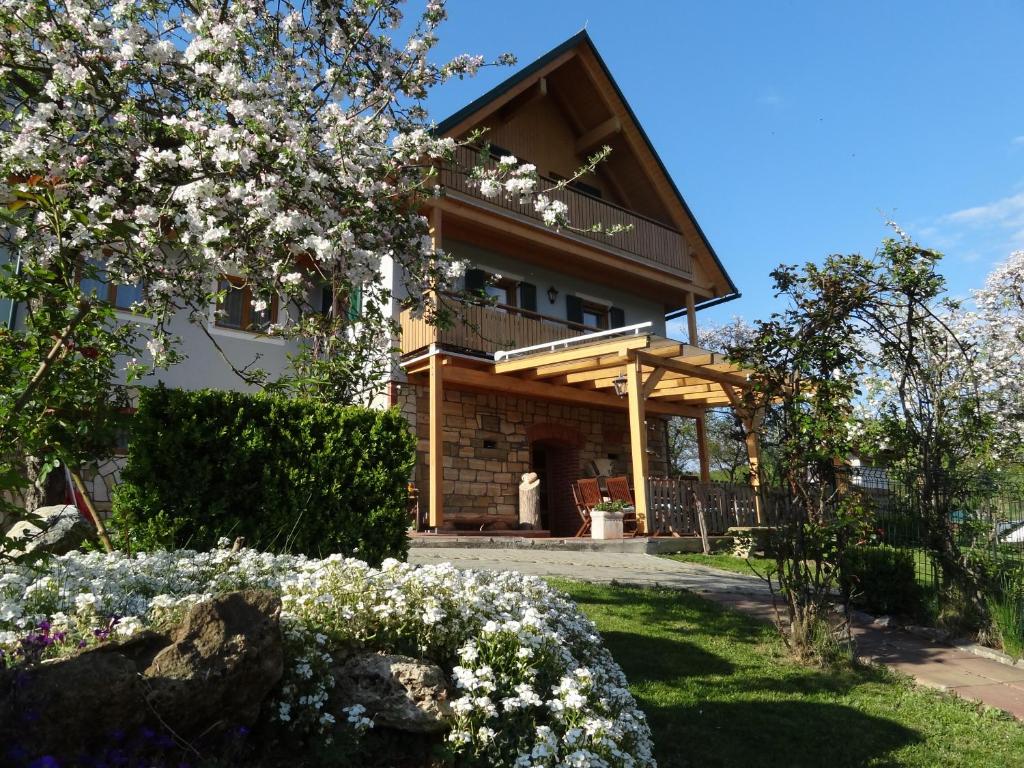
[726, 562]
[719, 691]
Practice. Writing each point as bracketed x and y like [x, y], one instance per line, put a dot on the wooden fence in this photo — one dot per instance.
[673, 503]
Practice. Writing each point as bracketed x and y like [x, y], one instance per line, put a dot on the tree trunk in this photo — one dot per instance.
[43, 491]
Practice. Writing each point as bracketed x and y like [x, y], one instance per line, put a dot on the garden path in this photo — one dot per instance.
[932, 664]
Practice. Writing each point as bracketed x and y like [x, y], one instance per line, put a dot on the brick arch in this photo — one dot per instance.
[554, 433]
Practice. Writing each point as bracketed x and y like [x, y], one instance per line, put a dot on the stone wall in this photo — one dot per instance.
[488, 440]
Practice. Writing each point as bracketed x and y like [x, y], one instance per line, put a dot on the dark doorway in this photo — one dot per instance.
[557, 466]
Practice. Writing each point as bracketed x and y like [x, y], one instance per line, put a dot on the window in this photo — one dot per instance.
[503, 290]
[355, 303]
[595, 315]
[95, 281]
[237, 308]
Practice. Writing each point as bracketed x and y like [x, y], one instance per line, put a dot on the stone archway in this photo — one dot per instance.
[555, 457]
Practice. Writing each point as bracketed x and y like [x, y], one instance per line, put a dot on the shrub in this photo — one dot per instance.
[881, 580]
[1007, 612]
[532, 682]
[289, 475]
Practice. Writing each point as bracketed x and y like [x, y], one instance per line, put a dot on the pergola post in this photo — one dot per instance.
[638, 441]
[702, 449]
[752, 420]
[436, 456]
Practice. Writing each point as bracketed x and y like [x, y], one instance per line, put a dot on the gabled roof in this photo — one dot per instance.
[481, 106]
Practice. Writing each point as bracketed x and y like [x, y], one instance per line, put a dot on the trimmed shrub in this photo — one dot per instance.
[290, 475]
[881, 580]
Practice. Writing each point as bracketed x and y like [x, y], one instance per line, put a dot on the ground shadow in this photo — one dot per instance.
[794, 734]
[663, 659]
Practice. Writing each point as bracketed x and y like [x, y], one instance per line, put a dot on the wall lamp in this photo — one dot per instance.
[552, 294]
[619, 382]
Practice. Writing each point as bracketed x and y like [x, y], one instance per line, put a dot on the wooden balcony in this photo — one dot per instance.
[644, 239]
[488, 329]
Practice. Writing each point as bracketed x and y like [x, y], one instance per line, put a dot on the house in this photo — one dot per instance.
[570, 365]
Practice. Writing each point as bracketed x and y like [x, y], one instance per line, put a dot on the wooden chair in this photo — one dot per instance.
[618, 490]
[587, 495]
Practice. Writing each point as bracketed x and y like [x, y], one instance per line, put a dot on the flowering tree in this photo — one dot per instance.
[159, 146]
[997, 330]
[882, 320]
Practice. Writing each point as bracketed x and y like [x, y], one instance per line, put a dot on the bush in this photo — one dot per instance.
[1007, 612]
[881, 580]
[531, 680]
[289, 475]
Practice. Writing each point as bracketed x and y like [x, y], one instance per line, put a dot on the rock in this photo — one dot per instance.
[70, 706]
[222, 662]
[58, 529]
[211, 673]
[398, 692]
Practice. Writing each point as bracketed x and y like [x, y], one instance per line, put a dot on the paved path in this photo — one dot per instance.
[931, 664]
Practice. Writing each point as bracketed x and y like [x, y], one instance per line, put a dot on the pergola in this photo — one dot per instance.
[628, 369]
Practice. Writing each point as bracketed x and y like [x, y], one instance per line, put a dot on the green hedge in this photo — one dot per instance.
[290, 475]
[881, 580]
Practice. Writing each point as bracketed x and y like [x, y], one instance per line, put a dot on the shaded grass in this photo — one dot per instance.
[732, 563]
[719, 691]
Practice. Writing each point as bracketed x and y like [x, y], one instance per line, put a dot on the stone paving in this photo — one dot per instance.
[932, 664]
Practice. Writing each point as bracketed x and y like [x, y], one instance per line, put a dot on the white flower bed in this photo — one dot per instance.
[536, 687]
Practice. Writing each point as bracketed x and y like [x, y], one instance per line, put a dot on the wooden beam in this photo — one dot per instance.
[599, 134]
[691, 317]
[436, 439]
[516, 387]
[572, 354]
[702, 449]
[529, 96]
[652, 381]
[733, 378]
[470, 121]
[638, 442]
[559, 372]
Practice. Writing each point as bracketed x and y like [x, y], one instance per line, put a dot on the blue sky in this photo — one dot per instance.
[795, 129]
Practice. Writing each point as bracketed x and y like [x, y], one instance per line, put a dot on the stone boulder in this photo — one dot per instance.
[62, 708]
[210, 674]
[56, 530]
[398, 692]
[222, 662]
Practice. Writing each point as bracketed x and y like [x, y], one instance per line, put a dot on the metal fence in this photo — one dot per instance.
[982, 515]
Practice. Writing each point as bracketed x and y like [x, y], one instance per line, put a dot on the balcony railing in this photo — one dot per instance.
[486, 328]
[644, 238]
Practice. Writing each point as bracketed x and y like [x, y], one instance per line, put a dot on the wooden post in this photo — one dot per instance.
[436, 497]
[638, 442]
[702, 450]
[691, 317]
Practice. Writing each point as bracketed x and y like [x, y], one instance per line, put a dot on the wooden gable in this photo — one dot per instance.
[565, 106]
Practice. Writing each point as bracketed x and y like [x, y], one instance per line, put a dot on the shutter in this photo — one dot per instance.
[476, 280]
[573, 309]
[616, 317]
[528, 296]
[326, 300]
[355, 302]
